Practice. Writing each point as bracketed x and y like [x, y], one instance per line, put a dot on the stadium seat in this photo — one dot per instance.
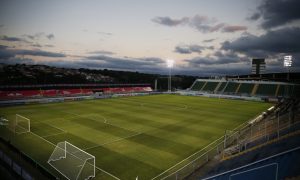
[210, 86]
[69, 92]
[49, 93]
[221, 87]
[231, 87]
[197, 86]
[266, 90]
[19, 94]
[245, 88]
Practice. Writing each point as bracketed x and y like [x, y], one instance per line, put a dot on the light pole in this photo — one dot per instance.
[288, 63]
[170, 64]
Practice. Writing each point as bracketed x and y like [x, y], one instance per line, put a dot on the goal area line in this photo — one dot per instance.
[98, 168]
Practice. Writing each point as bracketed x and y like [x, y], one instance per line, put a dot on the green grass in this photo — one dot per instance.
[136, 136]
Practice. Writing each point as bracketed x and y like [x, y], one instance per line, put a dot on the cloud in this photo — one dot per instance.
[39, 35]
[3, 47]
[284, 40]
[105, 33]
[276, 13]
[145, 64]
[219, 58]
[254, 17]
[167, 21]
[217, 65]
[36, 45]
[6, 53]
[32, 37]
[183, 50]
[1, 25]
[231, 29]
[203, 24]
[12, 39]
[50, 36]
[38, 53]
[189, 49]
[101, 52]
[126, 62]
[49, 45]
[16, 60]
[208, 40]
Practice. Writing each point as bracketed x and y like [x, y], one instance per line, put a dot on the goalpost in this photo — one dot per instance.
[72, 162]
[20, 124]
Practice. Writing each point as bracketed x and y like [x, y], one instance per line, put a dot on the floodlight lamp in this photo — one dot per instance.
[287, 61]
[170, 63]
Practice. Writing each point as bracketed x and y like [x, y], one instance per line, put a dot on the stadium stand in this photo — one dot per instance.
[24, 94]
[210, 86]
[220, 87]
[87, 91]
[69, 92]
[197, 86]
[49, 93]
[246, 88]
[20, 94]
[126, 90]
[231, 88]
[266, 90]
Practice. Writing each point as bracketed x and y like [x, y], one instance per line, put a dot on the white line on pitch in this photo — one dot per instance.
[98, 121]
[53, 134]
[184, 106]
[95, 165]
[116, 140]
[51, 125]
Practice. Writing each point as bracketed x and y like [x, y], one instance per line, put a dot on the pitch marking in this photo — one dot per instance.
[95, 165]
[116, 140]
[53, 134]
[98, 121]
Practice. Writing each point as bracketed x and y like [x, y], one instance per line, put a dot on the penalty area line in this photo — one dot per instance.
[95, 165]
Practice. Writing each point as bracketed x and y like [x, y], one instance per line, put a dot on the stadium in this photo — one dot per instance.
[88, 131]
[227, 106]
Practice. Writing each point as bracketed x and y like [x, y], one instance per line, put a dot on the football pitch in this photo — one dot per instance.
[130, 136]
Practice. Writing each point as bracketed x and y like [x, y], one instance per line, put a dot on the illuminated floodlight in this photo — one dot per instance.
[170, 63]
[287, 61]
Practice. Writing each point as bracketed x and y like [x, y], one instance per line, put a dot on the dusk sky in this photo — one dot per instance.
[212, 37]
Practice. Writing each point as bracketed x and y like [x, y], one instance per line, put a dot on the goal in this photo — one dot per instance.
[72, 162]
[20, 124]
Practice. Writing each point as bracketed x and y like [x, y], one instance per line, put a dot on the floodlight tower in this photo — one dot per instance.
[170, 64]
[288, 63]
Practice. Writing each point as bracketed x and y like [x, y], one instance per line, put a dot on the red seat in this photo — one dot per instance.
[126, 89]
[19, 94]
[49, 93]
[68, 92]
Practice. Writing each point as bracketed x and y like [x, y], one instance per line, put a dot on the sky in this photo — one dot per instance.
[203, 37]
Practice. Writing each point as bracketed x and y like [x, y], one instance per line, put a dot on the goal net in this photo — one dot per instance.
[72, 162]
[19, 125]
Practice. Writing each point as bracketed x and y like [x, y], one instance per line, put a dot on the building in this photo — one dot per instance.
[258, 66]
